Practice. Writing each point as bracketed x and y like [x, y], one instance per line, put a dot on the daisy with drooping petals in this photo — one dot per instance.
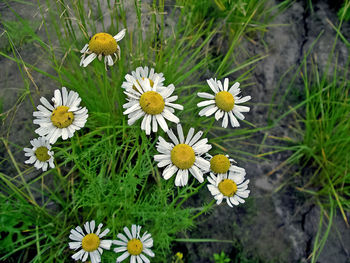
[221, 164]
[102, 44]
[40, 154]
[224, 102]
[230, 186]
[90, 243]
[142, 74]
[183, 156]
[134, 245]
[61, 119]
[154, 104]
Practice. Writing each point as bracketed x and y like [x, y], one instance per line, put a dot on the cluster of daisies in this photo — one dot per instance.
[132, 244]
[61, 118]
[149, 99]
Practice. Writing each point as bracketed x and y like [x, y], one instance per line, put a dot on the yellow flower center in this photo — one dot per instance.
[103, 43]
[41, 154]
[152, 102]
[134, 246]
[227, 187]
[224, 100]
[61, 117]
[150, 82]
[219, 164]
[182, 155]
[90, 242]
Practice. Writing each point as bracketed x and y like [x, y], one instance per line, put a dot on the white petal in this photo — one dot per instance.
[205, 95]
[205, 103]
[225, 120]
[212, 84]
[226, 82]
[122, 237]
[106, 244]
[169, 116]
[234, 88]
[120, 249]
[172, 137]
[180, 133]
[110, 60]
[127, 232]
[169, 172]
[219, 114]
[89, 59]
[74, 245]
[122, 257]
[189, 135]
[120, 35]
[46, 103]
[244, 99]
[197, 173]
[87, 227]
[233, 120]
[64, 96]
[105, 232]
[143, 257]
[78, 255]
[162, 122]
[238, 114]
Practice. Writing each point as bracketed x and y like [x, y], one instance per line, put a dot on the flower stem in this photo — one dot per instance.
[205, 209]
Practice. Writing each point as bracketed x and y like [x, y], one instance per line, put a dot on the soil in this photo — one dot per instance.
[278, 223]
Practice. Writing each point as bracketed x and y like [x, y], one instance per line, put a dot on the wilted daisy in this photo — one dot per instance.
[183, 156]
[90, 243]
[224, 102]
[154, 104]
[230, 186]
[102, 44]
[40, 154]
[61, 119]
[221, 164]
[142, 74]
[134, 245]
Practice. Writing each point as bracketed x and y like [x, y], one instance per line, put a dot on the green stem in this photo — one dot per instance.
[205, 209]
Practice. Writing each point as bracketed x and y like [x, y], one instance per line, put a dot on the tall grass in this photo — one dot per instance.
[321, 135]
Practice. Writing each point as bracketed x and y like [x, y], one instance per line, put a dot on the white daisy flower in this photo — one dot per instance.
[61, 119]
[134, 245]
[224, 102]
[230, 186]
[102, 44]
[40, 154]
[221, 164]
[142, 74]
[90, 244]
[183, 156]
[152, 103]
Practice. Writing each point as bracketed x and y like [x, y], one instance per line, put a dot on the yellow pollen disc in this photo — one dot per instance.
[219, 164]
[224, 100]
[150, 82]
[41, 154]
[227, 187]
[135, 246]
[90, 242]
[182, 156]
[152, 102]
[61, 117]
[103, 43]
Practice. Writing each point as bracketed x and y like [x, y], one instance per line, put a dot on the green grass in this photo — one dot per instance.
[106, 171]
[321, 141]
